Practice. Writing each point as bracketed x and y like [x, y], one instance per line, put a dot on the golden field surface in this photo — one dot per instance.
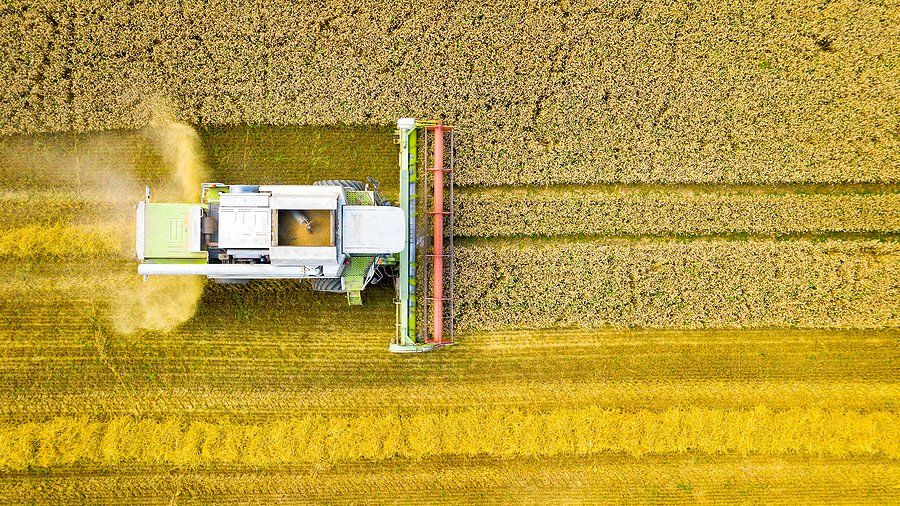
[677, 260]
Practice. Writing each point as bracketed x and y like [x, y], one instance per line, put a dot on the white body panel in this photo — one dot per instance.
[305, 190]
[295, 255]
[245, 227]
[139, 229]
[373, 229]
[194, 217]
[244, 200]
[245, 271]
[304, 202]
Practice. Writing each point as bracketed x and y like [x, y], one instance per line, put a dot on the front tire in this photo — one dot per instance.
[332, 285]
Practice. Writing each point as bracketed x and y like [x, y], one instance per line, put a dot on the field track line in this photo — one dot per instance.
[595, 478]
[685, 189]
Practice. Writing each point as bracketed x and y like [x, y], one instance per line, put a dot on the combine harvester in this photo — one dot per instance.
[340, 235]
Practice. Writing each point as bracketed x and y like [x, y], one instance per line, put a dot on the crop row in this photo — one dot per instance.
[208, 401]
[541, 93]
[693, 284]
[490, 432]
[590, 479]
[582, 212]
[61, 241]
[35, 207]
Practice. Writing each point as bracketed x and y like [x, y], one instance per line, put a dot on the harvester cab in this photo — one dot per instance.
[338, 235]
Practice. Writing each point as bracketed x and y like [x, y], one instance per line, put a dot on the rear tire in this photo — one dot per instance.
[332, 285]
[346, 183]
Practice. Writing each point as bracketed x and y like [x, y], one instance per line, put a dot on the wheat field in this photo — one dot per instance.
[648, 375]
[677, 259]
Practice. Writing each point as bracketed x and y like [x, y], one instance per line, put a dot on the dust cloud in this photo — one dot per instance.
[87, 186]
[161, 303]
[180, 147]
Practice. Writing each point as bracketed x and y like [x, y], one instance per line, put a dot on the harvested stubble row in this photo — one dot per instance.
[260, 402]
[42, 207]
[504, 433]
[265, 350]
[692, 284]
[261, 352]
[566, 480]
[743, 91]
[509, 212]
[64, 241]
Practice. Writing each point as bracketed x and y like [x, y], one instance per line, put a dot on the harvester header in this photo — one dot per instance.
[433, 217]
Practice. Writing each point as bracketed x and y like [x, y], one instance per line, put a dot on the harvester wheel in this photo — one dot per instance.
[346, 183]
[327, 285]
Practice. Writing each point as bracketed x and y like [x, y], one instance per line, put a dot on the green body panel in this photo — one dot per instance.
[406, 304]
[166, 232]
[212, 195]
[176, 260]
[357, 268]
[413, 179]
[355, 278]
[359, 198]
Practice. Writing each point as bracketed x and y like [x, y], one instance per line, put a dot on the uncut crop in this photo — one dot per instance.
[583, 212]
[693, 284]
[542, 93]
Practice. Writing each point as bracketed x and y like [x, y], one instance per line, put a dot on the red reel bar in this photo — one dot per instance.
[438, 254]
